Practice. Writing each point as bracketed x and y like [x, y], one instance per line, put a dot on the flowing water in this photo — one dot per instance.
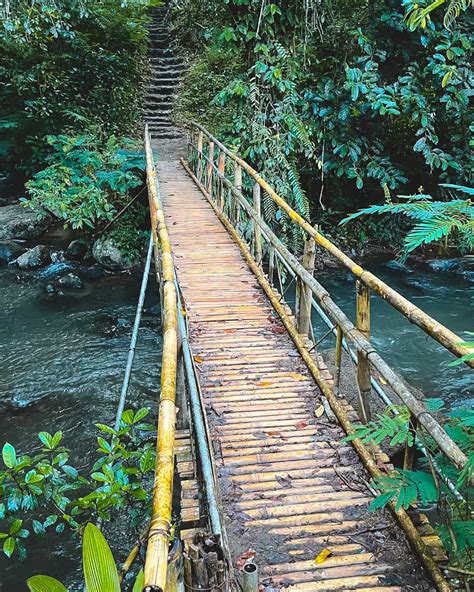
[63, 362]
[444, 290]
[62, 366]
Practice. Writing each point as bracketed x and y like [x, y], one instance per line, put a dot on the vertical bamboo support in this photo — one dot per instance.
[221, 167]
[363, 365]
[271, 264]
[210, 168]
[338, 360]
[182, 420]
[256, 228]
[199, 156]
[238, 186]
[409, 455]
[303, 305]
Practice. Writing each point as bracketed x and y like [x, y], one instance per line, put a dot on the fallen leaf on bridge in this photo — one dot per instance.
[300, 425]
[284, 480]
[198, 359]
[321, 557]
[319, 411]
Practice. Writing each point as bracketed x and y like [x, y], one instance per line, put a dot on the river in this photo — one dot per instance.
[62, 366]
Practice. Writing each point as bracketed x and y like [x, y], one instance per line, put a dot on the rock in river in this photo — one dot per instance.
[9, 250]
[70, 281]
[35, 257]
[77, 250]
[17, 221]
[106, 252]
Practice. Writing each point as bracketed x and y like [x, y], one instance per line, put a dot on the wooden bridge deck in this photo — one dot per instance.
[288, 488]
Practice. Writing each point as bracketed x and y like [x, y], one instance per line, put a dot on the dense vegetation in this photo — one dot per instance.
[72, 75]
[340, 104]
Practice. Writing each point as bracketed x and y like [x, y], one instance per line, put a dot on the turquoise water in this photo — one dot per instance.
[444, 290]
[62, 368]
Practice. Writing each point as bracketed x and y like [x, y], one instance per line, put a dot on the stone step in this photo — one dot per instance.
[168, 74]
[159, 82]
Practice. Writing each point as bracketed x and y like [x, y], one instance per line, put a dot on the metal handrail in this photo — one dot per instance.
[415, 315]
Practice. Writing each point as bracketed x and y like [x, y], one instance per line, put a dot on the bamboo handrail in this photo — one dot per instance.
[360, 341]
[415, 315]
[156, 563]
[402, 517]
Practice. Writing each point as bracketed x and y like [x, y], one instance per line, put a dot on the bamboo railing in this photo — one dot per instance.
[156, 563]
[219, 173]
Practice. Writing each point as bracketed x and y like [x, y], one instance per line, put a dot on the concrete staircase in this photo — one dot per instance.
[166, 70]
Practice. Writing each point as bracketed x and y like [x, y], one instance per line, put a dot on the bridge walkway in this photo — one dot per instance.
[289, 489]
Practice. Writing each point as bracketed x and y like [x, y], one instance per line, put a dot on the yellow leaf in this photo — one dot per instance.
[265, 383]
[321, 557]
[382, 380]
[319, 411]
[297, 376]
[198, 359]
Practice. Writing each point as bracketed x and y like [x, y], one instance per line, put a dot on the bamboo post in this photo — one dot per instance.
[271, 265]
[199, 155]
[182, 418]
[256, 228]
[238, 186]
[363, 365]
[303, 305]
[222, 189]
[210, 168]
[338, 360]
[409, 455]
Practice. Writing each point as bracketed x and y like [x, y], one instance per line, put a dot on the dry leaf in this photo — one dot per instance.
[230, 330]
[300, 425]
[319, 411]
[264, 383]
[198, 359]
[274, 434]
[297, 376]
[284, 480]
[382, 380]
[321, 557]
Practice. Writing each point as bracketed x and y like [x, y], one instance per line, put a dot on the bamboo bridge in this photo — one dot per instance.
[251, 418]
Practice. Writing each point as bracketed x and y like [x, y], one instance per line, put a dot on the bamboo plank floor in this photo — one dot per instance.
[288, 489]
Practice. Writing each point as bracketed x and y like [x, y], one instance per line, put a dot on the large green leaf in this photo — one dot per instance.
[139, 582]
[100, 572]
[45, 584]
[9, 455]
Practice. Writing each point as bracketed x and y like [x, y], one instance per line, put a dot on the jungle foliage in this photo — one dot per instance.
[65, 67]
[339, 104]
[72, 74]
[424, 486]
[43, 493]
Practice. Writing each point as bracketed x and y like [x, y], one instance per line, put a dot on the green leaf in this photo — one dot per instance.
[381, 500]
[15, 526]
[140, 414]
[100, 572]
[9, 455]
[46, 439]
[45, 584]
[56, 439]
[139, 582]
[9, 546]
